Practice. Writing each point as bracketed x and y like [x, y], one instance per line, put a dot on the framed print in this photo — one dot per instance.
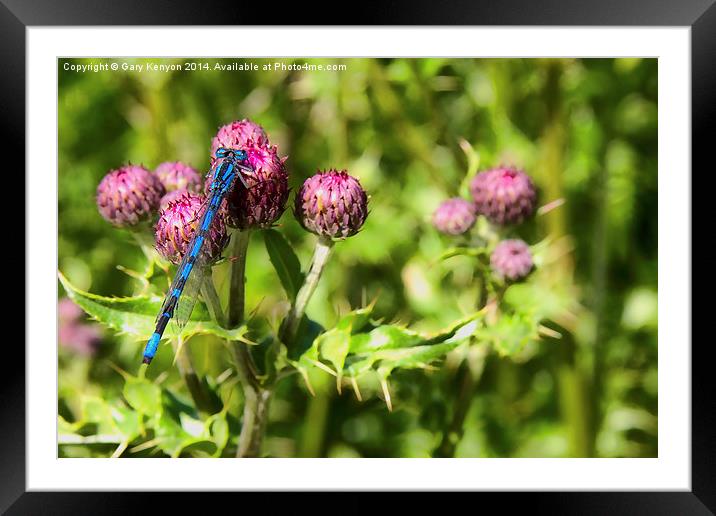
[360, 258]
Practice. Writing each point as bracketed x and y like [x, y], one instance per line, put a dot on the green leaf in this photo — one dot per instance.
[143, 395]
[511, 333]
[108, 418]
[334, 346]
[356, 320]
[136, 315]
[383, 348]
[538, 300]
[127, 421]
[171, 437]
[418, 357]
[385, 337]
[285, 261]
[98, 413]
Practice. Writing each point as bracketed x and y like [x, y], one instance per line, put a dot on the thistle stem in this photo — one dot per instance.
[239, 248]
[468, 383]
[320, 257]
[256, 397]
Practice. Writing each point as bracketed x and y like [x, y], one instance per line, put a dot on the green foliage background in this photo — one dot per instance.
[586, 130]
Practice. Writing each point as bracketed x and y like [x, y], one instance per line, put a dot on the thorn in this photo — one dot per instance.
[323, 366]
[180, 346]
[145, 445]
[120, 449]
[124, 374]
[339, 381]
[550, 206]
[355, 388]
[386, 393]
[246, 341]
[548, 332]
[304, 373]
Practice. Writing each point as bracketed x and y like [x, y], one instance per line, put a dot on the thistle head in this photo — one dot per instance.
[129, 195]
[176, 175]
[264, 201]
[331, 204]
[511, 260]
[454, 216]
[237, 135]
[504, 195]
[178, 223]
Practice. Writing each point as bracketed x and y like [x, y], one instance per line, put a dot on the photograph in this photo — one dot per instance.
[433, 257]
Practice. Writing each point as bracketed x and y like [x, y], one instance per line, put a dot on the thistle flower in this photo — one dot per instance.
[454, 216]
[237, 135]
[74, 333]
[511, 260]
[331, 204]
[176, 175]
[264, 201]
[177, 226]
[129, 195]
[504, 195]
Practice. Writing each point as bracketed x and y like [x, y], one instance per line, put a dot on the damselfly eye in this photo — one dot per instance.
[222, 152]
[240, 155]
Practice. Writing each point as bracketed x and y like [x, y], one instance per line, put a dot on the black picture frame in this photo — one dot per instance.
[700, 15]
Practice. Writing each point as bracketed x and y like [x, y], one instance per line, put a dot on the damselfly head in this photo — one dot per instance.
[223, 152]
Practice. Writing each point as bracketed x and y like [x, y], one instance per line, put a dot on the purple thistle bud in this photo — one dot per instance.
[176, 175]
[129, 195]
[511, 259]
[504, 195]
[454, 216]
[331, 204]
[237, 135]
[177, 225]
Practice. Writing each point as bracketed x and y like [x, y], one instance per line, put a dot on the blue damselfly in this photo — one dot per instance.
[181, 298]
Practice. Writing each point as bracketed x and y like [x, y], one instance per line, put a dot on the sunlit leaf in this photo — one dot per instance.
[383, 348]
[136, 316]
[511, 333]
[143, 395]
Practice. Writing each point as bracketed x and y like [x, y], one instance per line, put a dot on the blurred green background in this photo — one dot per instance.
[584, 129]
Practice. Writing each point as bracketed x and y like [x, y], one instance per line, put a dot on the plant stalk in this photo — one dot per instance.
[321, 254]
[256, 397]
[239, 248]
[468, 383]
